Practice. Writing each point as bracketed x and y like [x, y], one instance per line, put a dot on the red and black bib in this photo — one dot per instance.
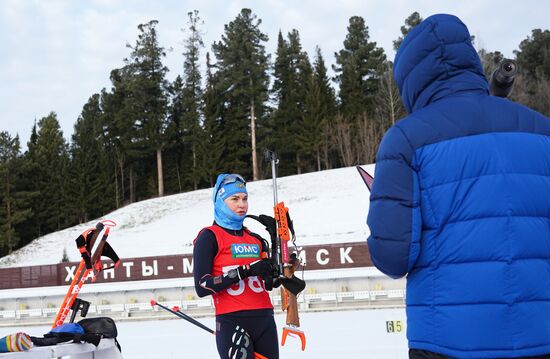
[234, 251]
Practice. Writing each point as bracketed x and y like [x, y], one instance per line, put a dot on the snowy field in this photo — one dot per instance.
[357, 334]
[327, 207]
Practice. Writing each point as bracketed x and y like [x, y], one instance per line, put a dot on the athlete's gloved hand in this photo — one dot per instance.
[261, 268]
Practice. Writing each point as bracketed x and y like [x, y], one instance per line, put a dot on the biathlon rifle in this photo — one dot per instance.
[90, 265]
[281, 231]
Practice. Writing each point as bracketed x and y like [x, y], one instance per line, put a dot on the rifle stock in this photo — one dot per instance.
[289, 302]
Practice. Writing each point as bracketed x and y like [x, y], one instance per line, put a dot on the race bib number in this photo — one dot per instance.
[254, 283]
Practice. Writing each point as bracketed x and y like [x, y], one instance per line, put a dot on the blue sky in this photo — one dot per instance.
[57, 53]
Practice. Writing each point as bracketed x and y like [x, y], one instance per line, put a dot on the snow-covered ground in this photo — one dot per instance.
[327, 207]
[357, 334]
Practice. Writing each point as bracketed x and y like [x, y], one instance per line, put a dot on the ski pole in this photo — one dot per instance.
[183, 316]
[191, 320]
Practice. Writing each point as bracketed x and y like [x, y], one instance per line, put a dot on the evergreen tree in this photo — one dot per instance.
[533, 55]
[320, 109]
[532, 86]
[192, 95]
[358, 68]
[120, 133]
[242, 83]
[15, 203]
[29, 229]
[51, 173]
[410, 22]
[292, 72]
[148, 87]
[176, 148]
[90, 166]
[212, 146]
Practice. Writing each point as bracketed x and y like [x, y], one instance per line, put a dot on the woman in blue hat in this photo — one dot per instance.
[230, 263]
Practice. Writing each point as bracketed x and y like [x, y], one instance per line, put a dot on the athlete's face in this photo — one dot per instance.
[238, 203]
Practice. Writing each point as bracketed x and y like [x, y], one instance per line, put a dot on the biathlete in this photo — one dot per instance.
[230, 263]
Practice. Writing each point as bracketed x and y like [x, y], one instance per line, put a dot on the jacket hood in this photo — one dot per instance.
[437, 59]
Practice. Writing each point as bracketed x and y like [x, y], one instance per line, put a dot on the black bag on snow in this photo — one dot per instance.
[102, 326]
[65, 333]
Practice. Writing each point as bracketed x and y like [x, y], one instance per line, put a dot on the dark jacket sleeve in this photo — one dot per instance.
[206, 248]
[394, 214]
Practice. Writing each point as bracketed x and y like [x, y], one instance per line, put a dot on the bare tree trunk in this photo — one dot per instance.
[370, 133]
[160, 172]
[327, 136]
[8, 214]
[255, 176]
[122, 186]
[318, 155]
[131, 184]
[195, 184]
[343, 138]
[298, 167]
[178, 173]
[116, 188]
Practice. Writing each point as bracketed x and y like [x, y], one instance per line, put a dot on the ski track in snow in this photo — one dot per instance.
[326, 207]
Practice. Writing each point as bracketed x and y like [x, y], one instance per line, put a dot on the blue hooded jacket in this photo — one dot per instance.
[461, 204]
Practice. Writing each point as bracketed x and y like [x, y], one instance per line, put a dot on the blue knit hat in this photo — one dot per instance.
[226, 186]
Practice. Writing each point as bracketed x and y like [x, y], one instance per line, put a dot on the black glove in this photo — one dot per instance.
[261, 268]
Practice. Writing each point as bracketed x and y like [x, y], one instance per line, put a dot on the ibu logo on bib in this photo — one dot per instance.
[245, 250]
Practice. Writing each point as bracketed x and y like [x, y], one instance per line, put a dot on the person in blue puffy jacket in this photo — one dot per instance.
[461, 205]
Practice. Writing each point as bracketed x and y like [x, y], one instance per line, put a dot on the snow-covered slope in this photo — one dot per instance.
[327, 207]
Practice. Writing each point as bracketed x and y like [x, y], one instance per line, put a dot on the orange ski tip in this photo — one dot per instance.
[294, 333]
[259, 356]
[153, 302]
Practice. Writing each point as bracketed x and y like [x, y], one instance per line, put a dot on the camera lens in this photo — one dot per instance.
[508, 67]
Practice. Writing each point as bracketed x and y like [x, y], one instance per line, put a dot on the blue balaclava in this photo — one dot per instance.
[226, 186]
